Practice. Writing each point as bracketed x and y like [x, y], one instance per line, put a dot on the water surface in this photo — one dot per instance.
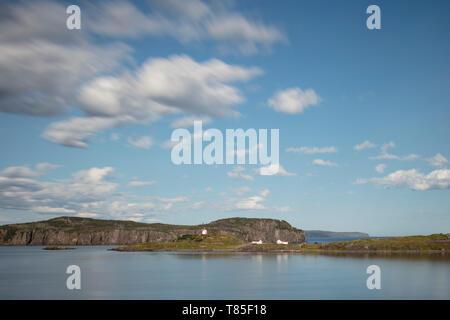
[33, 273]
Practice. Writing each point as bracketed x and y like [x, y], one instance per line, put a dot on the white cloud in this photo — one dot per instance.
[88, 193]
[274, 169]
[387, 146]
[254, 202]
[409, 157]
[87, 215]
[241, 190]
[380, 168]
[45, 64]
[293, 100]
[26, 172]
[321, 162]
[197, 205]
[18, 172]
[168, 144]
[313, 150]
[413, 179]
[51, 70]
[76, 131]
[385, 155]
[45, 209]
[245, 34]
[238, 173]
[172, 200]
[189, 121]
[364, 145]
[144, 142]
[438, 160]
[85, 189]
[186, 21]
[93, 175]
[283, 209]
[161, 86]
[137, 183]
[264, 193]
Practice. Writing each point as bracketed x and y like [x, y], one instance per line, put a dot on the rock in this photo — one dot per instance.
[85, 231]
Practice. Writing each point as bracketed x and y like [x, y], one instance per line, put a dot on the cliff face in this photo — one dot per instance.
[84, 231]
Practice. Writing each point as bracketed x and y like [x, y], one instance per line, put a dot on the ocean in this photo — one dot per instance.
[33, 273]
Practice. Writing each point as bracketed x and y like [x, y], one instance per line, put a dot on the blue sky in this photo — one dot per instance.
[85, 114]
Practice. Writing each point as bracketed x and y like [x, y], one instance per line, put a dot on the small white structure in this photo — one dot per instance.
[204, 231]
[257, 242]
[281, 242]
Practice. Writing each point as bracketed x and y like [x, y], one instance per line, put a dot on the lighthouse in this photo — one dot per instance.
[204, 231]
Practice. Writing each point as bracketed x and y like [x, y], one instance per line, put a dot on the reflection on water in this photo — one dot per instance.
[413, 256]
[30, 272]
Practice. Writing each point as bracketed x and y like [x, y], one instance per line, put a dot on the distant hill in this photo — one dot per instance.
[332, 234]
[86, 231]
[431, 243]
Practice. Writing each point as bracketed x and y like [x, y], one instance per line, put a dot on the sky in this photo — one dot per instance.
[86, 115]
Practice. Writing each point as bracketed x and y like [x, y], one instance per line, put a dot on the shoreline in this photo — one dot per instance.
[299, 251]
[304, 251]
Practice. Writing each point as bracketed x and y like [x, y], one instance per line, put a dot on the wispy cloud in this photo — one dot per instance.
[380, 168]
[313, 150]
[186, 21]
[385, 155]
[293, 100]
[274, 170]
[364, 145]
[241, 190]
[327, 163]
[52, 71]
[413, 179]
[438, 160]
[137, 183]
[144, 142]
[253, 203]
[189, 121]
[148, 94]
[238, 173]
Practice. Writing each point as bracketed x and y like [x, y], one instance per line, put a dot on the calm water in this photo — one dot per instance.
[33, 273]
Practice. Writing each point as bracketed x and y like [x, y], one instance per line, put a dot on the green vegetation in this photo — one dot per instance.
[188, 243]
[10, 232]
[58, 248]
[411, 243]
[272, 247]
[88, 225]
[212, 242]
[232, 223]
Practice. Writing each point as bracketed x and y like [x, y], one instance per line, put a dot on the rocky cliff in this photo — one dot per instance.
[85, 231]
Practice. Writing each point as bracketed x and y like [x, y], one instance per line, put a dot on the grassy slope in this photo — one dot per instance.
[411, 243]
[77, 224]
[188, 243]
[58, 248]
[87, 225]
[213, 242]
